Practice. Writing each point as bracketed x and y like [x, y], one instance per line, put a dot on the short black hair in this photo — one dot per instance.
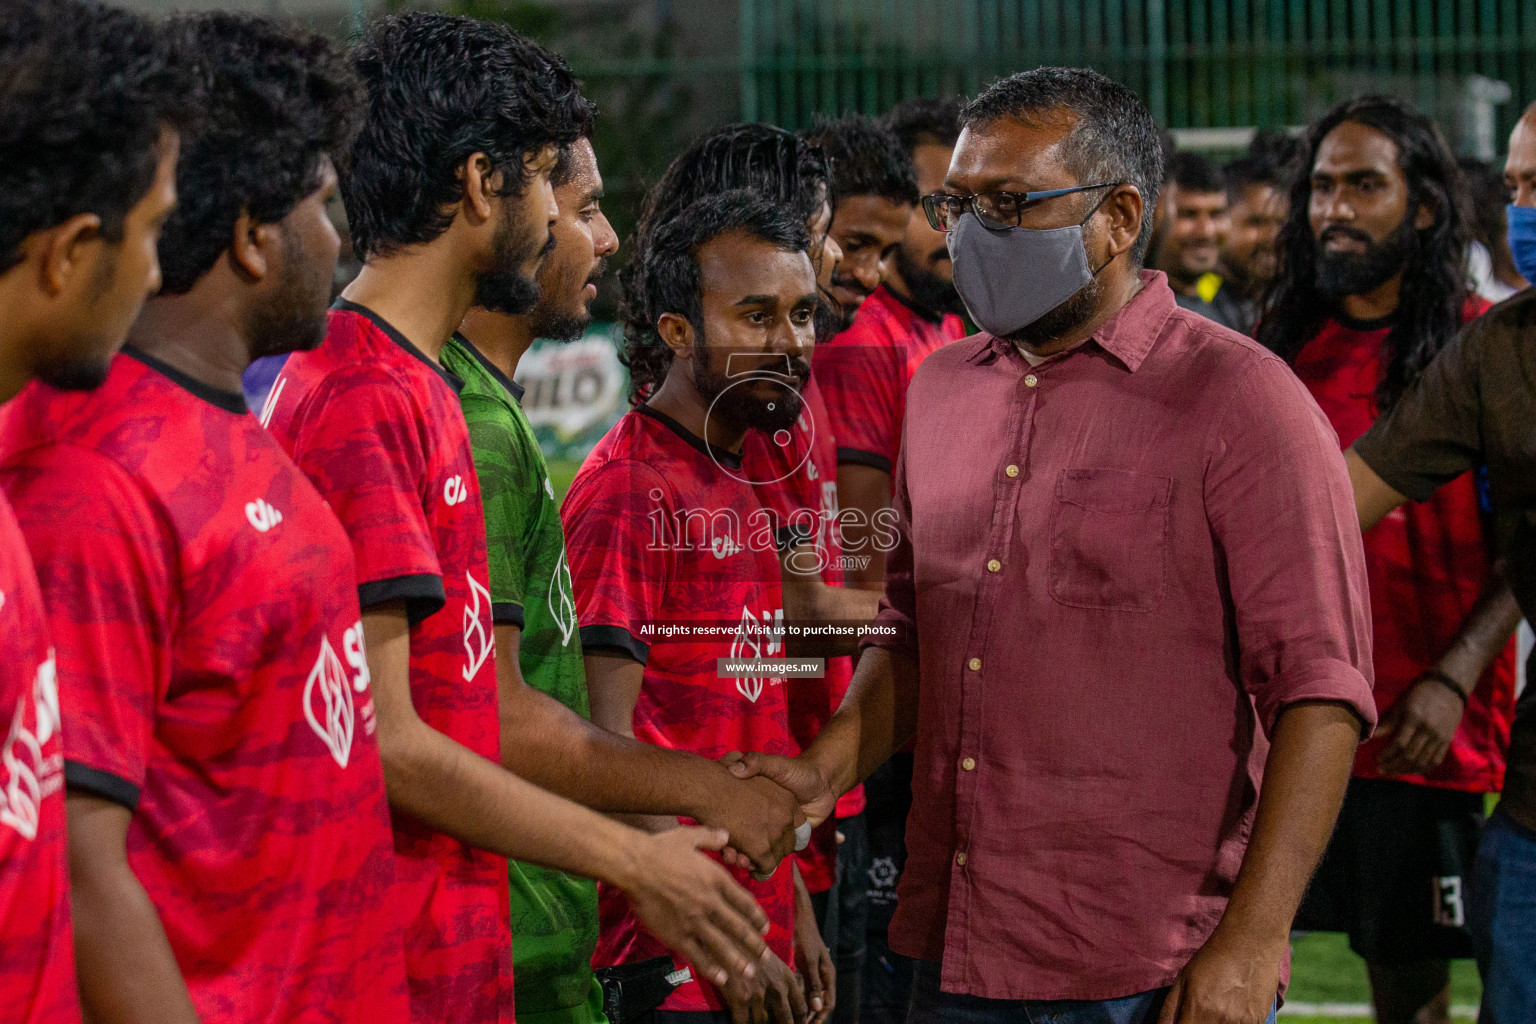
[586, 128]
[668, 273]
[1114, 138]
[442, 88]
[925, 121]
[1194, 172]
[85, 92]
[1269, 162]
[277, 100]
[867, 158]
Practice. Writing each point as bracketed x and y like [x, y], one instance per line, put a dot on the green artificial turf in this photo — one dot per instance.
[1324, 970]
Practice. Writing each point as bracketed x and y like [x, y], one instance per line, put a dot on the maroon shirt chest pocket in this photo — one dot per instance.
[1109, 539]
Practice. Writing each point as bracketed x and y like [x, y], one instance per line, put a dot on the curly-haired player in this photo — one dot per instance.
[89, 104]
[449, 198]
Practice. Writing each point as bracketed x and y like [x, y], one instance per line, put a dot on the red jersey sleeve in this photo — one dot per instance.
[105, 562]
[617, 531]
[358, 438]
[860, 381]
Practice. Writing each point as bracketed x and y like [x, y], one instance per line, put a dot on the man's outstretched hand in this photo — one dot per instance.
[694, 906]
[797, 774]
[760, 817]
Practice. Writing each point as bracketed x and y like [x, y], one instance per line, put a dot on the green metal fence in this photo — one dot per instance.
[1197, 63]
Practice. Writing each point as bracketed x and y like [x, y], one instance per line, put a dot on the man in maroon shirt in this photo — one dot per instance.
[1372, 286]
[1138, 595]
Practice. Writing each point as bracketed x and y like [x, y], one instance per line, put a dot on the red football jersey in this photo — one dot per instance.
[865, 370]
[37, 946]
[663, 530]
[377, 426]
[213, 681]
[1427, 563]
[795, 476]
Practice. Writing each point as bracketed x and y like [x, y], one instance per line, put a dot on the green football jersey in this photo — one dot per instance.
[554, 916]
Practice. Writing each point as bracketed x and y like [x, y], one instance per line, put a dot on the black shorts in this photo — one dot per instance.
[1395, 875]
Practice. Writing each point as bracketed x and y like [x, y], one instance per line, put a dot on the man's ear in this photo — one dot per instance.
[677, 334]
[250, 244]
[65, 251]
[482, 185]
[1124, 207]
[1426, 217]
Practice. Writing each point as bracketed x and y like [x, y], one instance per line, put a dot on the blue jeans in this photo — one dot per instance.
[1503, 919]
[932, 1006]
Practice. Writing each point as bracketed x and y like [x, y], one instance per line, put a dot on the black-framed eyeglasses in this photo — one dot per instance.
[994, 209]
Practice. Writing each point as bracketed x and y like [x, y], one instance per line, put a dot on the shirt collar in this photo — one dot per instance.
[1128, 335]
[515, 389]
[723, 457]
[348, 306]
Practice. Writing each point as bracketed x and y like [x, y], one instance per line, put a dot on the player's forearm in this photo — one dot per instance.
[452, 789]
[1310, 757]
[877, 718]
[864, 493]
[1374, 497]
[1484, 633]
[126, 970]
[551, 746]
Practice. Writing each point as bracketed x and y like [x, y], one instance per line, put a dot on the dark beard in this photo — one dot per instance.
[84, 375]
[503, 288]
[927, 293]
[1339, 274]
[739, 409]
[294, 320]
[1071, 314]
[558, 325]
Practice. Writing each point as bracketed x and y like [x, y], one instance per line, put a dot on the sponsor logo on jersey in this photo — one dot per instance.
[29, 775]
[562, 605]
[329, 707]
[478, 643]
[722, 546]
[261, 515]
[328, 703]
[455, 491]
[756, 638]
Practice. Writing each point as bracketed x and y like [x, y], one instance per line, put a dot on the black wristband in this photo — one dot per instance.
[1436, 676]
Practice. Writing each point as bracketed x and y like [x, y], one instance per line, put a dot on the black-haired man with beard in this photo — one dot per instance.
[200, 596]
[1371, 287]
[665, 530]
[449, 202]
[88, 152]
[545, 736]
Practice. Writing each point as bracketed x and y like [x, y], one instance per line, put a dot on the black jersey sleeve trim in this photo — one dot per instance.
[855, 457]
[614, 638]
[391, 332]
[103, 784]
[507, 613]
[423, 594]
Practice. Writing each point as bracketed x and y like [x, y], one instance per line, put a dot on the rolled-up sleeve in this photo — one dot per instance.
[895, 627]
[1282, 513]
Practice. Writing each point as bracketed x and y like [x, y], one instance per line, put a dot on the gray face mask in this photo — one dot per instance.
[1010, 277]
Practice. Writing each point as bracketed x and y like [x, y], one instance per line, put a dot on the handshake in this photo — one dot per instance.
[768, 805]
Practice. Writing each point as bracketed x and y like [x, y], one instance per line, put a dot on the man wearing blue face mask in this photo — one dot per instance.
[1474, 405]
[1142, 564]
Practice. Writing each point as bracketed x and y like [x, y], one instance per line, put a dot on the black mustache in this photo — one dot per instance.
[598, 271]
[1339, 231]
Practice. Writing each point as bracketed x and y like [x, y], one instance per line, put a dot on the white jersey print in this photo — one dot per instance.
[478, 643]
